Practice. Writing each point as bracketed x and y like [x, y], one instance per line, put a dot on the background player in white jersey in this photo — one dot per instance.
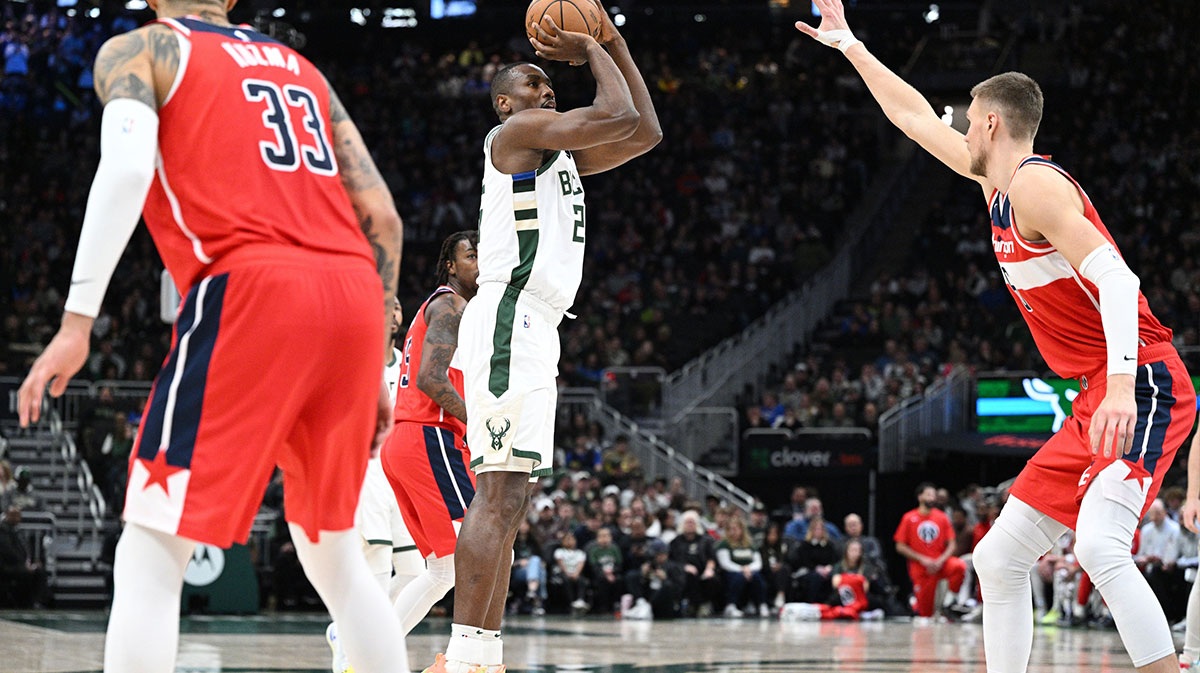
[531, 239]
[1086, 313]
[1190, 517]
[386, 542]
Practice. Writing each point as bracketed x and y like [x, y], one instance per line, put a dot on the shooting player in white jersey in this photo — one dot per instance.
[531, 240]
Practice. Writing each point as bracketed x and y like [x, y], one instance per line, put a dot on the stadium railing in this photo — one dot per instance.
[658, 458]
[943, 408]
[718, 375]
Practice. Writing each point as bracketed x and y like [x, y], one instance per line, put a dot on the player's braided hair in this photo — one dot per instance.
[446, 257]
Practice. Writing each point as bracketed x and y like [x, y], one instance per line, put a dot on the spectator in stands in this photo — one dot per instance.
[872, 550]
[813, 509]
[758, 524]
[584, 456]
[695, 552]
[548, 528]
[620, 465]
[637, 546]
[742, 563]
[606, 564]
[656, 588]
[1157, 556]
[963, 532]
[569, 562]
[775, 555]
[854, 561]
[529, 572]
[23, 496]
[1173, 499]
[22, 581]
[813, 561]
[7, 484]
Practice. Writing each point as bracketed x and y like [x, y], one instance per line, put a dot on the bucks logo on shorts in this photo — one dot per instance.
[497, 432]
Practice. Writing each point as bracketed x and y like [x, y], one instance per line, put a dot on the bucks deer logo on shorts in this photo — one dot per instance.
[498, 435]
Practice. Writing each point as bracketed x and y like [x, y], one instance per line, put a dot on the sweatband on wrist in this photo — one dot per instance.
[128, 146]
[1118, 287]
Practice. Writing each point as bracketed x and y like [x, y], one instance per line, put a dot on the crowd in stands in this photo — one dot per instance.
[23, 580]
[767, 154]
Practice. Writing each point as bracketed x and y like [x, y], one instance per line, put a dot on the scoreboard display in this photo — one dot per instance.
[1008, 405]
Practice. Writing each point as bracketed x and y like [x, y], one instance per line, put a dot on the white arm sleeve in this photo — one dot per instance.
[128, 146]
[725, 562]
[1118, 306]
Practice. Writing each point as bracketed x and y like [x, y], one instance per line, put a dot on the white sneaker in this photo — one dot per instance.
[733, 612]
[800, 612]
[764, 610]
[872, 615]
[1180, 627]
[339, 663]
[922, 621]
[579, 604]
[641, 611]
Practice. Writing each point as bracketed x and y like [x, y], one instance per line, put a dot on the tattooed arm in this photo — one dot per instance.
[139, 65]
[441, 340]
[372, 203]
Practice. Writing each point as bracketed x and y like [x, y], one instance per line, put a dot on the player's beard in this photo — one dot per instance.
[979, 163]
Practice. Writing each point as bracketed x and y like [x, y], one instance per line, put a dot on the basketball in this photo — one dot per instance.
[576, 16]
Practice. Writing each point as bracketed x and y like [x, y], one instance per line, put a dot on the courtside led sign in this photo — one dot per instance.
[1026, 404]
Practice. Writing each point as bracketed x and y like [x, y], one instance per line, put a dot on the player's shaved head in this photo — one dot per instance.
[505, 82]
[1017, 98]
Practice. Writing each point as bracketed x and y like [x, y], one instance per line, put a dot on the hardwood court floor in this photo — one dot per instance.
[54, 642]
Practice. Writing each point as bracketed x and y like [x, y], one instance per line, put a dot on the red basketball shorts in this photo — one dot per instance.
[1055, 480]
[276, 361]
[427, 468]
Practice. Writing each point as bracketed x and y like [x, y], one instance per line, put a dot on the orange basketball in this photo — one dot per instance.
[576, 16]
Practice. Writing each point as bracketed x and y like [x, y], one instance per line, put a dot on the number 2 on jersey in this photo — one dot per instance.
[287, 152]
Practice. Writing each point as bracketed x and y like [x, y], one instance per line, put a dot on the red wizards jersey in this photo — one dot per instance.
[245, 155]
[412, 405]
[925, 534]
[1061, 307]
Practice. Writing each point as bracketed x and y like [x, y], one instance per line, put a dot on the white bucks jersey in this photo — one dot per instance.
[391, 373]
[531, 228]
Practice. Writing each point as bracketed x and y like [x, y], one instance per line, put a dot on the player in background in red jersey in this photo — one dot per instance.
[926, 538]
[267, 210]
[425, 457]
[1082, 303]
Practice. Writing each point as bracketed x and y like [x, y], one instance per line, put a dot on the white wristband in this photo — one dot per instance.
[128, 145]
[1118, 287]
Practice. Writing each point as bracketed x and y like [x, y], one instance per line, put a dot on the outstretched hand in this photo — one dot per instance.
[833, 30]
[555, 44]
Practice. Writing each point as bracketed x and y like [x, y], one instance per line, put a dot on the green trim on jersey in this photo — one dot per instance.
[506, 312]
[386, 542]
[410, 547]
[549, 162]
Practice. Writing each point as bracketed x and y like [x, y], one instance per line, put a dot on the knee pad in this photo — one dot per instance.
[1020, 536]
[1101, 555]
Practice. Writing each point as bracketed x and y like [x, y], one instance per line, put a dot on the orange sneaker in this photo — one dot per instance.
[439, 666]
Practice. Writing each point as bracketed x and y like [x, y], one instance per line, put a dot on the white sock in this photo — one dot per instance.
[1003, 559]
[367, 626]
[1104, 536]
[1191, 637]
[421, 592]
[468, 648]
[143, 626]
